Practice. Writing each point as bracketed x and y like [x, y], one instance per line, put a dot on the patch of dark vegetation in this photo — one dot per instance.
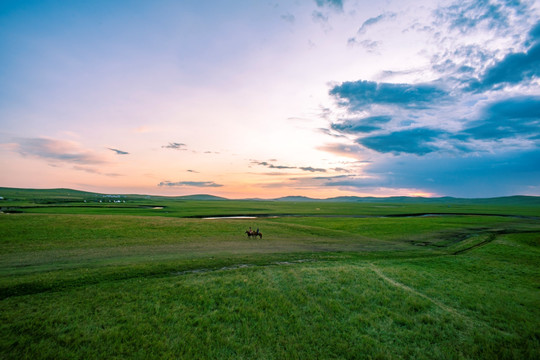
[459, 214]
[446, 239]
[232, 215]
[56, 201]
[490, 238]
[453, 238]
[20, 209]
[10, 210]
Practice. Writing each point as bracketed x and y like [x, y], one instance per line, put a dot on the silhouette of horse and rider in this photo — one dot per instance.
[251, 233]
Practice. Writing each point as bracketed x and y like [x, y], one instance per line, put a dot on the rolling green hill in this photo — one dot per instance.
[59, 195]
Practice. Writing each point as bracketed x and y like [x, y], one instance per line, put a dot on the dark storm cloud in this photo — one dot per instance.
[119, 152]
[362, 125]
[280, 167]
[175, 146]
[473, 132]
[311, 169]
[514, 68]
[353, 128]
[508, 118]
[190, 183]
[271, 166]
[361, 94]
[512, 118]
[534, 34]
[491, 174]
[516, 118]
[417, 141]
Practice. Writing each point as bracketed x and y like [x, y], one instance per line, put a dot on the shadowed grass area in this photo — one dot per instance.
[116, 286]
[311, 310]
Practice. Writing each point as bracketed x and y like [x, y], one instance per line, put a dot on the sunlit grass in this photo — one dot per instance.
[116, 286]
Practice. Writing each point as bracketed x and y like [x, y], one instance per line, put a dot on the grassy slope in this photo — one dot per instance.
[71, 201]
[87, 286]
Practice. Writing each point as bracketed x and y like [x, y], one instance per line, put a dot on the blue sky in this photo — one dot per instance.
[264, 99]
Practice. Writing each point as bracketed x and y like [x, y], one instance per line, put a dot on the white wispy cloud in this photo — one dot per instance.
[203, 184]
[58, 150]
[175, 146]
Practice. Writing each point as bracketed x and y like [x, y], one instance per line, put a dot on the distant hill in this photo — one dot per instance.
[70, 195]
[200, 197]
[16, 192]
[67, 195]
[296, 198]
[505, 200]
[44, 195]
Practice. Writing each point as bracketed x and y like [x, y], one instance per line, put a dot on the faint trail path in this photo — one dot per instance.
[451, 310]
[415, 292]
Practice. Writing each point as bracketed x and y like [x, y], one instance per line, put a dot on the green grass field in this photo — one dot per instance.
[328, 280]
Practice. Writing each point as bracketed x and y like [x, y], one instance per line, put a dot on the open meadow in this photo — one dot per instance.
[84, 276]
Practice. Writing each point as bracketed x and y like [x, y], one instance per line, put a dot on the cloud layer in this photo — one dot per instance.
[175, 146]
[347, 97]
[473, 122]
[57, 150]
[358, 95]
[203, 184]
[119, 152]
[281, 167]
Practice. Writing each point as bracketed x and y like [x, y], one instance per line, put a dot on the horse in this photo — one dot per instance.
[251, 233]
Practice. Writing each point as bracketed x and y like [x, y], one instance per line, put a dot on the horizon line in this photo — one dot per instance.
[307, 198]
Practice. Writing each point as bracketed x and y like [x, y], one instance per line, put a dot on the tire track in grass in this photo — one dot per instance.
[470, 321]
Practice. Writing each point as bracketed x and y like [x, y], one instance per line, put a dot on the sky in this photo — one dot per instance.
[262, 99]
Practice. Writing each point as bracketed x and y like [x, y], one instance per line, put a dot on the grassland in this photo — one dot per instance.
[151, 278]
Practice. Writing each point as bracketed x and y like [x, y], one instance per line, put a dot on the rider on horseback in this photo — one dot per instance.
[251, 233]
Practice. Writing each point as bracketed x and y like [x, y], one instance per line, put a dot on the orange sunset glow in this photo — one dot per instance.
[269, 99]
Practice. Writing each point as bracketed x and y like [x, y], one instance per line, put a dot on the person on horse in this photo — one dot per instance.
[251, 233]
